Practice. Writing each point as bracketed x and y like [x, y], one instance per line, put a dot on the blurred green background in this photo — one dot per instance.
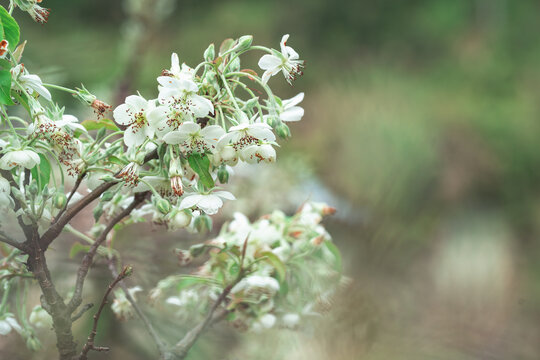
[421, 126]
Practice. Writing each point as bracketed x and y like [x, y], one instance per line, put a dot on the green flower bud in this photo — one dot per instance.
[273, 121]
[283, 131]
[210, 53]
[60, 200]
[33, 343]
[163, 205]
[223, 174]
[107, 196]
[203, 223]
[98, 211]
[244, 42]
[32, 188]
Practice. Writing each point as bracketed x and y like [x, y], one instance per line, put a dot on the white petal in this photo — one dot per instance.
[283, 43]
[202, 106]
[212, 132]
[224, 194]
[293, 101]
[294, 113]
[134, 137]
[175, 137]
[189, 128]
[190, 201]
[268, 62]
[137, 103]
[5, 328]
[175, 64]
[122, 114]
[210, 204]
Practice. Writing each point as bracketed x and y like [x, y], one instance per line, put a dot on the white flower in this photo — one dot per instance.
[8, 323]
[121, 306]
[40, 318]
[190, 136]
[257, 283]
[257, 153]
[266, 321]
[245, 134]
[134, 115]
[209, 203]
[31, 83]
[180, 102]
[26, 158]
[187, 297]
[181, 73]
[286, 61]
[5, 199]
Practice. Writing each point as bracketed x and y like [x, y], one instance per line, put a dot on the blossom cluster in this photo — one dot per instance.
[279, 270]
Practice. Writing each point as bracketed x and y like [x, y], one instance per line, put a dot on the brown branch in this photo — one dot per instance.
[81, 312]
[12, 242]
[161, 345]
[90, 342]
[54, 230]
[88, 258]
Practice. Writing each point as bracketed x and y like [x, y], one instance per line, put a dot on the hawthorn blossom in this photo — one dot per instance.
[39, 14]
[286, 61]
[257, 153]
[179, 103]
[245, 134]
[194, 139]
[209, 203]
[30, 82]
[26, 158]
[133, 114]
[180, 73]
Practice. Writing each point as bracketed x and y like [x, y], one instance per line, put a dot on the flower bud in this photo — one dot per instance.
[32, 188]
[210, 53]
[283, 131]
[244, 42]
[179, 220]
[107, 196]
[98, 211]
[273, 121]
[163, 205]
[33, 343]
[60, 200]
[223, 175]
[203, 223]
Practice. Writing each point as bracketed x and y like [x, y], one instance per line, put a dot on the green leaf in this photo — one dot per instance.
[276, 262]
[77, 248]
[42, 172]
[338, 263]
[225, 45]
[9, 28]
[115, 160]
[5, 87]
[201, 165]
[99, 124]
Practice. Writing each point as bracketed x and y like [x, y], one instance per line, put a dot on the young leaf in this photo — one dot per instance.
[5, 87]
[338, 263]
[281, 271]
[9, 28]
[201, 164]
[42, 172]
[99, 124]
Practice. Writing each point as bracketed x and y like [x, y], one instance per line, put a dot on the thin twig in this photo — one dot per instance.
[10, 241]
[73, 191]
[88, 258]
[81, 312]
[90, 342]
[160, 343]
[55, 229]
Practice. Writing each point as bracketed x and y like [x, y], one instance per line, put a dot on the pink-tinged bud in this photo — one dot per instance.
[328, 210]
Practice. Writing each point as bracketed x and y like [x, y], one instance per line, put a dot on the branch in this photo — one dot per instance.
[90, 342]
[54, 230]
[182, 347]
[81, 312]
[89, 256]
[161, 345]
[10, 241]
